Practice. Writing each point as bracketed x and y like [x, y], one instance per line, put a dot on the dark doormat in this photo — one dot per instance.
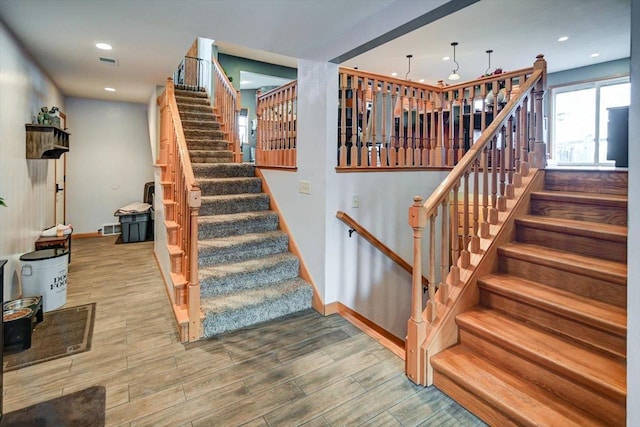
[82, 408]
[62, 333]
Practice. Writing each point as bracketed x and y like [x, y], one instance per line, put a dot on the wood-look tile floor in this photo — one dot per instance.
[302, 370]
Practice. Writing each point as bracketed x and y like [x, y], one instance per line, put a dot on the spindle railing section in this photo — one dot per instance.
[181, 199]
[227, 105]
[460, 211]
[276, 137]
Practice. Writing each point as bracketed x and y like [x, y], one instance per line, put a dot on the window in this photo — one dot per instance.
[579, 132]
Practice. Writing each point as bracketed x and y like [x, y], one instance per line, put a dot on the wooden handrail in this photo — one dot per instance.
[358, 228]
[180, 139]
[439, 194]
[465, 208]
[382, 77]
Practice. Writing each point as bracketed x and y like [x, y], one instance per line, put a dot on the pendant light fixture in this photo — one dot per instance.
[489, 52]
[454, 74]
[406, 77]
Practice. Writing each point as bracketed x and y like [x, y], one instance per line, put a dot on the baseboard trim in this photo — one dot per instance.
[378, 333]
[86, 235]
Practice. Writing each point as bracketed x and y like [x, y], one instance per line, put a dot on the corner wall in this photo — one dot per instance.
[109, 160]
[26, 185]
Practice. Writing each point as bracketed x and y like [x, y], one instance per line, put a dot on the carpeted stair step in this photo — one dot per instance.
[183, 90]
[499, 397]
[205, 123]
[220, 186]
[198, 115]
[215, 226]
[250, 274]
[227, 170]
[211, 156]
[195, 108]
[184, 99]
[594, 323]
[207, 144]
[245, 308]
[242, 247]
[234, 203]
[203, 134]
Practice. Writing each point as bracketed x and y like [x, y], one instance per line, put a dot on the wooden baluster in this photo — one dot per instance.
[484, 224]
[510, 193]
[374, 120]
[432, 308]
[402, 138]
[451, 140]
[454, 248]
[417, 142]
[432, 133]
[342, 151]
[539, 147]
[532, 130]
[353, 151]
[483, 112]
[364, 149]
[472, 114]
[409, 137]
[424, 156]
[464, 255]
[475, 239]
[502, 200]
[443, 290]
[493, 211]
[461, 150]
[393, 150]
[524, 148]
[441, 155]
[416, 328]
[384, 151]
[517, 177]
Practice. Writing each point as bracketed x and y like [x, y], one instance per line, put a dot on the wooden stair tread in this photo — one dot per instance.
[616, 233]
[617, 200]
[587, 367]
[515, 397]
[611, 271]
[586, 310]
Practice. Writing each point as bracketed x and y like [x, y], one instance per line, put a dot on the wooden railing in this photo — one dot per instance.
[366, 234]
[461, 209]
[181, 199]
[276, 137]
[227, 106]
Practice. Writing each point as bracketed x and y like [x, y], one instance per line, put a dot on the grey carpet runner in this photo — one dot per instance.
[247, 275]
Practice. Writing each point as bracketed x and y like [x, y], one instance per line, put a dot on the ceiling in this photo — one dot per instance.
[150, 36]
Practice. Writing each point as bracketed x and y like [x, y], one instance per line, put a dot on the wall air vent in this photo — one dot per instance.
[109, 61]
[109, 229]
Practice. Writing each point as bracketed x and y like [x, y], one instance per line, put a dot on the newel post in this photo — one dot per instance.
[415, 367]
[194, 283]
[540, 148]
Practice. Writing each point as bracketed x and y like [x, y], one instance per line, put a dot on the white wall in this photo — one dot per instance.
[348, 270]
[633, 292]
[109, 160]
[25, 184]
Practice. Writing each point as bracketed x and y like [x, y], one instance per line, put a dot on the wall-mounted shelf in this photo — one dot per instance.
[46, 142]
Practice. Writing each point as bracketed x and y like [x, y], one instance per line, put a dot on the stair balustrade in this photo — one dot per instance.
[227, 105]
[460, 211]
[191, 73]
[276, 133]
[181, 199]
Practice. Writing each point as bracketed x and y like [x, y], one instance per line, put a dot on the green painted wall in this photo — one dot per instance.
[232, 65]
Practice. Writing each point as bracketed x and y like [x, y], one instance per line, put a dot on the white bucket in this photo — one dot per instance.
[44, 273]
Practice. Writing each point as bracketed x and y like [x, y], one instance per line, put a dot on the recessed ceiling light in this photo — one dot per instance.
[445, 58]
[421, 80]
[594, 55]
[109, 89]
[394, 74]
[103, 46]
[563, 39]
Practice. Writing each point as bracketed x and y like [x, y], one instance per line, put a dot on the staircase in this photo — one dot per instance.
[547, 343]
[246, 273]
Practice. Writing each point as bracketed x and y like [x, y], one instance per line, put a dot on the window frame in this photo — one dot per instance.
[596, 84]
